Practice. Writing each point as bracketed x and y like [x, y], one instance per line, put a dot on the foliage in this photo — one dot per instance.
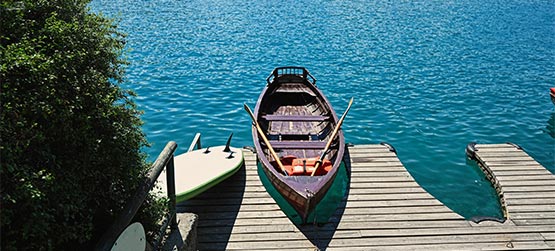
[70, 135]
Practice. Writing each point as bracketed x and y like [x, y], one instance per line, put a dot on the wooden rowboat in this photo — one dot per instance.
[298, 122]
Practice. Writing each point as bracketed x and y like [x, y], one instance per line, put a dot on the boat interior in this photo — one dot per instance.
[297, 122]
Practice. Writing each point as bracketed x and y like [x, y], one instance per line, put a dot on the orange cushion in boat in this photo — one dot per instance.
[296, 167]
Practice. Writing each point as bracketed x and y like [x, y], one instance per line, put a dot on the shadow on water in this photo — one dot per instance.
[322, 232]
[217, 210]
[497, 211]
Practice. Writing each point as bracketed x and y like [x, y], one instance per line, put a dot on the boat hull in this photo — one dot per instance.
[298, 121]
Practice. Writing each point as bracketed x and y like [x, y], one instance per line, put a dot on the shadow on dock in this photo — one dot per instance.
[383, 209]
[320, 235]
[217, 209]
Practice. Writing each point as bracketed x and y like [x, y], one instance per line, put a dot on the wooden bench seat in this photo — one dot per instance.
[298, 144]
[316, 118]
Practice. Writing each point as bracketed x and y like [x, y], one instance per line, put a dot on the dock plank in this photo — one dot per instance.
[525, 186]
[385, 209]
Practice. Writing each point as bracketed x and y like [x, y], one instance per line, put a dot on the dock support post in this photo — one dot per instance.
[170, 180]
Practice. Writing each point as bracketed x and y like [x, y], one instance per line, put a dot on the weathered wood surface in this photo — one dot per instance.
[384, 209]
[527, 188]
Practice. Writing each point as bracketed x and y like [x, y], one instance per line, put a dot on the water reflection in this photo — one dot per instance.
[418, 82]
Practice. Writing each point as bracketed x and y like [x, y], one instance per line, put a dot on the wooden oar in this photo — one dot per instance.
[319, 162]
[261, 133]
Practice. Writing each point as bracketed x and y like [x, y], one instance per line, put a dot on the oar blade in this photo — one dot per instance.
[248, 109]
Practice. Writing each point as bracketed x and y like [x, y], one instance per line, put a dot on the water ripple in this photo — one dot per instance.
[427, 76]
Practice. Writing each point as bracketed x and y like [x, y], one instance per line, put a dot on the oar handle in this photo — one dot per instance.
[335, 130]
[263, 136]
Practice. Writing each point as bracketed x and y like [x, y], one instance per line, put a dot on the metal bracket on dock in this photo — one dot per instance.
[389, 146]
[471, 150]
[515, 145]
[250, 148]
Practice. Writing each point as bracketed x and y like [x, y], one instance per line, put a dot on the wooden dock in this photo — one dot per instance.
[526, 189]
[384, 209]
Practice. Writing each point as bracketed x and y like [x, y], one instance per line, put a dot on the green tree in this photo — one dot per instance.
[71, 137]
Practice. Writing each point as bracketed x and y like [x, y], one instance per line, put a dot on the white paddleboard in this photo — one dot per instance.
[132, 238]
[199, 170]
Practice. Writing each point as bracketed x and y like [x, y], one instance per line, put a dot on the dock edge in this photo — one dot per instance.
[471, 154]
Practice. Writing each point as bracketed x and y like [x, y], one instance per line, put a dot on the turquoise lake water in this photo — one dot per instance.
[427, 76]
